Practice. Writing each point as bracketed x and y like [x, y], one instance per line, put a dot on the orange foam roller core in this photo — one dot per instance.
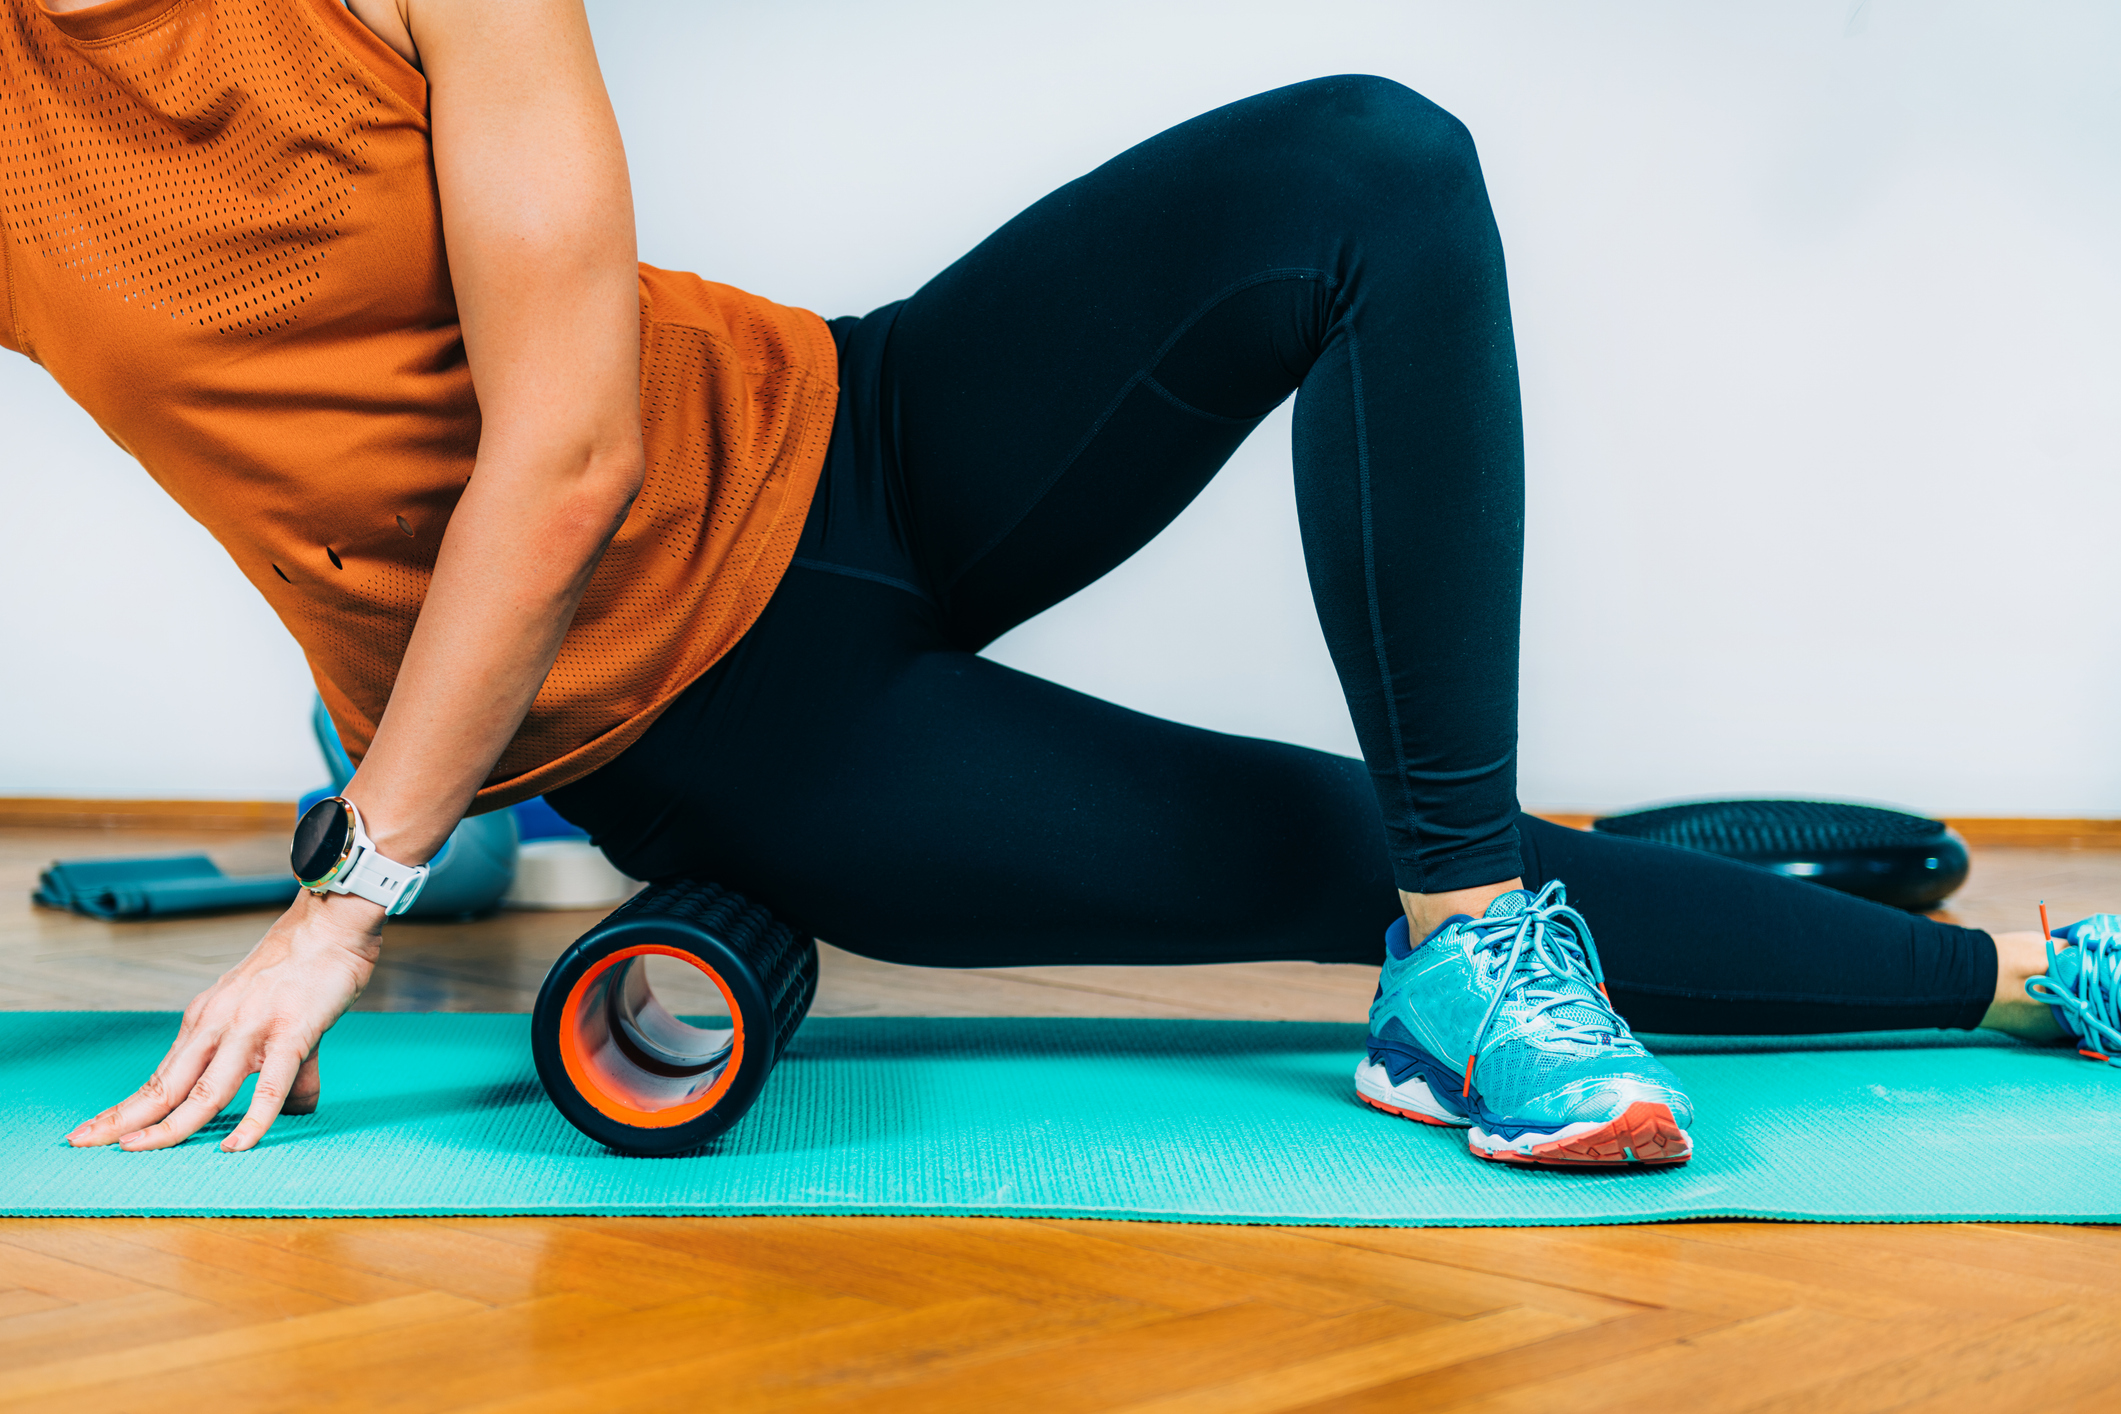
[635, 1062]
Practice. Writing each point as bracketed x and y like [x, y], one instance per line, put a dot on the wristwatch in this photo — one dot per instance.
[333, 855]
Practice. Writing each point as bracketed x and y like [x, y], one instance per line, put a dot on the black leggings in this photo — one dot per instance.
[1037, 413]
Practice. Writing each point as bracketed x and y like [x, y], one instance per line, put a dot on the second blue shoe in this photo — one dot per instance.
[2083, 985]
[1500, 1025]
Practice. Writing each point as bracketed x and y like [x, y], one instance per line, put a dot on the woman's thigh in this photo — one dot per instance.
[1065, 389]
[914, 802]
[1069, 385]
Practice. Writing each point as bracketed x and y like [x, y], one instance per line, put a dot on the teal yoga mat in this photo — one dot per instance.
[1177, 1121]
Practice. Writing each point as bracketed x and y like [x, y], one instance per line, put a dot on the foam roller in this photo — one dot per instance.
[625, 1070]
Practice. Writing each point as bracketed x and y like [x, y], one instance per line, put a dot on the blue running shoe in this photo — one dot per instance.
[1500, 1025]
[2083, 985]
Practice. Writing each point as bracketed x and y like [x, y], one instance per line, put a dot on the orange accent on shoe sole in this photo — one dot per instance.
[1647, 1134]
[1415, 1115]
[2093, 1055]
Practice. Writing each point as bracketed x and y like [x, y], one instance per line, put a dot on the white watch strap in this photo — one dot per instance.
[381, 880]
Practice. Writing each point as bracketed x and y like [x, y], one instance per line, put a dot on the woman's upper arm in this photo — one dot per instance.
[538, 215]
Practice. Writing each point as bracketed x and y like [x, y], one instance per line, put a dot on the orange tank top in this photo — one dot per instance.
[219, 232]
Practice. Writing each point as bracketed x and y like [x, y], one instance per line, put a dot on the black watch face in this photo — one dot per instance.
[321, 837]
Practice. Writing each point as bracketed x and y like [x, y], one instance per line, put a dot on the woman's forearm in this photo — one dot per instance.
[519, 552]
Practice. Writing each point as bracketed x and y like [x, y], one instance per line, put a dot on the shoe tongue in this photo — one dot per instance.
[1587, 1012]
[1509, 905]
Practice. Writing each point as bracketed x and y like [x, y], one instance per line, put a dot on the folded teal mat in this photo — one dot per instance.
[1178, 1121]
[142, 888]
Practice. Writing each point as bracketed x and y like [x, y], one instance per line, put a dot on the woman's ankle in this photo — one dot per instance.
[2018, 957]
[1428, 912]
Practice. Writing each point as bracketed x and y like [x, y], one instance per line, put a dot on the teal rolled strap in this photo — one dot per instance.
[468, 876]
[157, 887]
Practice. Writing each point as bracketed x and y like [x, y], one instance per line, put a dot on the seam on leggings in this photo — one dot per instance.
[1097, 424]
[1183, 406]
[1369, 581]
[805, 562]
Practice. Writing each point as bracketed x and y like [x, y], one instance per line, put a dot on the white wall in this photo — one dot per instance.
[1817, 307]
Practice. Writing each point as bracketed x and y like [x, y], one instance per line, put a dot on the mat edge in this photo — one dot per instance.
[1081, 1215]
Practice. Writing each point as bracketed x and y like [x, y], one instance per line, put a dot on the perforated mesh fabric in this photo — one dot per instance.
[1518, 1071]
[219, 231]
[162, 177]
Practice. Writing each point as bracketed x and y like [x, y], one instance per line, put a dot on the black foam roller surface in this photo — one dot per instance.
[1888, 856]
[628, 1072]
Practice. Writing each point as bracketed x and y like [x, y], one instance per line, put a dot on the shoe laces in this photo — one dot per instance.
[2095, 997]
[1548, 962]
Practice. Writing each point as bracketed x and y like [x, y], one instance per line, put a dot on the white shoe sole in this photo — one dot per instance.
[1646, 1133]
[1412, 1100]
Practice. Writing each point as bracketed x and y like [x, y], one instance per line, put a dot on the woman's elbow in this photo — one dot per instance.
[623, 473]
[586, 509]
[614, 481]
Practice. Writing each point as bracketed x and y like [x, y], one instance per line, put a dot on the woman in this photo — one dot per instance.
[712, 575]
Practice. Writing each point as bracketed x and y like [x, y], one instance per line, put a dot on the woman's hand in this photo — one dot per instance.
[266, 1015]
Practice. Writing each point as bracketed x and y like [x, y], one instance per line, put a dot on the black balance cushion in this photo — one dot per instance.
[1908, 861]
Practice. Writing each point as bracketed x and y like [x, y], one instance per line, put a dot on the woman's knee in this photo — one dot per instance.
[1365, 130]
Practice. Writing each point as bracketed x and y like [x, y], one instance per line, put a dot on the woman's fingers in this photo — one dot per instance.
[209, 1095]
[160, 1114]
[309, 1086]
[266, 1015]
[164, 1091]
[275, 1092]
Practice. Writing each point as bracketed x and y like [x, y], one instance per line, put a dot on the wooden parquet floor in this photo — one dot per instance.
[947, 1314]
